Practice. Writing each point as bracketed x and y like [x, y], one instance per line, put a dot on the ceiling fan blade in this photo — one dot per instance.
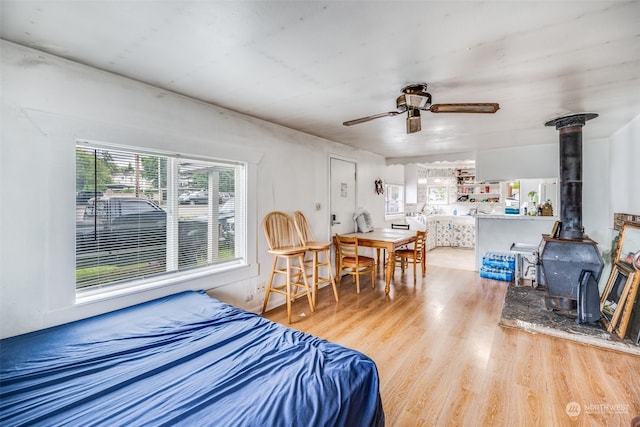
[485, 108]
[375, 116]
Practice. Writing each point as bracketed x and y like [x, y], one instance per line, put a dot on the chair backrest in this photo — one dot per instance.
[280, 230]
[302, 226]
[347, 246]
[400, 226]
[421, 240]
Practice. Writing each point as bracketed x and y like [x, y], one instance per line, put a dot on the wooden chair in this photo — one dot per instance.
[396, 227]
[284, 245]
[400, 226]
[315, 248]
[350, 262]
[415, 255]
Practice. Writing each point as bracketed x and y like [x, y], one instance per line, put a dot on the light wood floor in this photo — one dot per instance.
[443, 360]
[461, 258]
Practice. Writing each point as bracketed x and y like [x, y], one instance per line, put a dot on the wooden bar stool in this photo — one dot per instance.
[284, 245]
[315, 248]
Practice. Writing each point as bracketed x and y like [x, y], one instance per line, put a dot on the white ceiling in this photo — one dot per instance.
[311, 65]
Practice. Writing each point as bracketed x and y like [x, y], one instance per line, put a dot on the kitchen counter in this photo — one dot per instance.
[516, 217]
[496, 233]
[450, 230]
[449, 217]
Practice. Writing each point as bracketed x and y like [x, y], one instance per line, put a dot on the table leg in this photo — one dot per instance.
[390, 267]
[338, 265]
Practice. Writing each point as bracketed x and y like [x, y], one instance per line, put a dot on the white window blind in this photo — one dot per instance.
[141, 215]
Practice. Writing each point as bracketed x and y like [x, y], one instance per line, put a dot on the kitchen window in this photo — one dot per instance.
[393, 199]
[142, 217]
[438, 195]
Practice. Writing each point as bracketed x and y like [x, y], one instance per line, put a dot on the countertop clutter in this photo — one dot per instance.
[472, 217]
[448, 216]
[517, 217]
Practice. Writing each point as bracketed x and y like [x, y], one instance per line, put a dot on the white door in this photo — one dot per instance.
[343, 196]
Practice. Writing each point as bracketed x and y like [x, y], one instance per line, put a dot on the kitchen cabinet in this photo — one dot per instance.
[443, 232]
[455, 232]
[431, 234]
[463, 235]
[431, 227]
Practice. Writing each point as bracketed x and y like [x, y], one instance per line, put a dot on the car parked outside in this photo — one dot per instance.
[194, 198]
[183, 198]
[226, 220]
[83, 196]
[202, 197]
[199, 197]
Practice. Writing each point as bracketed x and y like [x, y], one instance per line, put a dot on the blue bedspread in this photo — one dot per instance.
[186, 359]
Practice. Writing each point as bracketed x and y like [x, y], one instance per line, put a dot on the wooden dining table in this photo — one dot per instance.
[384, 238]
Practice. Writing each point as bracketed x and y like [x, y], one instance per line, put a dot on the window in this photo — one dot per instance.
[393, 199]
[438, 196]
[142, 215]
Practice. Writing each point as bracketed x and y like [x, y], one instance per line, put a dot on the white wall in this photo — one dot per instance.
[506, 164]
[596, 217]
[625, 169]
[542, 161]
[395, 174]
[498, 234]
[47, 102]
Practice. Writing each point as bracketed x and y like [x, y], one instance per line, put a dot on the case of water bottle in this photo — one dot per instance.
[498, 266]
[503, 274]
[499, 260]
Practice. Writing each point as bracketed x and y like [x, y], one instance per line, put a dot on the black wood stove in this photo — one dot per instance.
[570, 261]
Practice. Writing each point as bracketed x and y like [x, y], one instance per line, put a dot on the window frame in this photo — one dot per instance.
[240, 267]
[387, 193]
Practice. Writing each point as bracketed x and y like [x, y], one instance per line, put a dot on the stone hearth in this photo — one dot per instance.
[525, 309]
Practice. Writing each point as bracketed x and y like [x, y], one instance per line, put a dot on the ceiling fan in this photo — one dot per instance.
[415, 98]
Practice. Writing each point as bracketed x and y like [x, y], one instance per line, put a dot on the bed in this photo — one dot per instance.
[186, 359]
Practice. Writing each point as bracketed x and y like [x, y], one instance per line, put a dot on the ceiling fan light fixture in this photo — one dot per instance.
[414, 98]
[413, 121]
[422, 101]
[401, 103]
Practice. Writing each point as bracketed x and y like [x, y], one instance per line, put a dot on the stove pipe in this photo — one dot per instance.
[570, 129]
